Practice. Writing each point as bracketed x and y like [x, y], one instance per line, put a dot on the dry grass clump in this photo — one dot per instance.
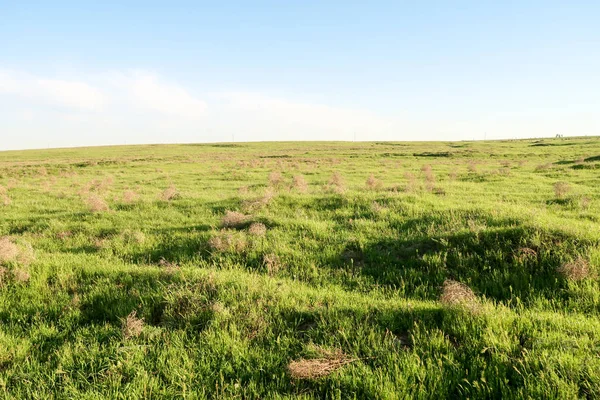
[168, 265]
[452, 175]
[243, 190]
[170, 193]
[411, 181]
[264, 200]
[227, 241]
[543, 167]
[575, 270]
[272, 262]
[561, 189]
[9, 251]
[130, 236]
[4, 199]
[585, 202]
[3, 276]
[525, 253]
[96, 203]
[429, 177]
[97, 185]
[504, 171]
[17, 275]
[130, 196]
[299, 184]
[64, 235]
[336, 184]
[319, 367]
[132, 326]
[374, 183]
[275, 179]
[257, 229]
[472, 167]
[233, 219]
[458, 294]
[267, 196]
[20, 275]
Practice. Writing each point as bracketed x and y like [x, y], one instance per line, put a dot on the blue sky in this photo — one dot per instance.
[77, 73]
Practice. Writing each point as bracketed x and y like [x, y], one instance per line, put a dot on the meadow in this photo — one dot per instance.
[302, 270]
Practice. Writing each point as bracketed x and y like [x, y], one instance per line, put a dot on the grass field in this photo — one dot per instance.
[310, 270]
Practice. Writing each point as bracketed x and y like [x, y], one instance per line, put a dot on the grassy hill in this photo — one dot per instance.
[309, 270]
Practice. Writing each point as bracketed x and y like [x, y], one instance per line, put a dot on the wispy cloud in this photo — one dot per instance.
[139, 106]
[54, 92]
[302, 120]
[148, 91]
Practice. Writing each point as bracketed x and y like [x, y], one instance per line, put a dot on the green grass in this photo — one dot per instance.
[345, 268]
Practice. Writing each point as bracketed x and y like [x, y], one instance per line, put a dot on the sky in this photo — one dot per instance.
[79, 73]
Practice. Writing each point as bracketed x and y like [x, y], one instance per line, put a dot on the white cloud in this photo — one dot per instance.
[54, 92]
[279, 117]
[148, 91]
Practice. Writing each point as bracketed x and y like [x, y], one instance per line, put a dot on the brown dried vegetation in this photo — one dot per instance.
[561, 189]
[575, 270]
[257, 229]
[319, 367]
[458, 294]
[132, 326]
[374, 183]
[233, 219]
[96, 204]
[299, 184]
[170, 193]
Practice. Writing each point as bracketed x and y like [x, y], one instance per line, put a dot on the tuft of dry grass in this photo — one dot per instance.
[472, 167]
[429, 177]
[264, 200]
[20, 275]
[132, 326]
[275, 179]
[585, 202]
[299, 184]
[4, 199]
[168, 265]
[336, 184]
[257, 229]
[525, 253]
[64, 235]
[96, 203]
[575, 270]
[233, 219]
[135, 237]
[267, 196]
[411, 182]
[319, 367]
[561, 189]
[130, 196]
[374, 183]
[226, 241]
[543, 167]
[3, 276]
[452, 175]
[170, 193]
[272, 262]
[458, 294]
[9, 251]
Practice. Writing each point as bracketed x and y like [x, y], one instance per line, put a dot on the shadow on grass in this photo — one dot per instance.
[499, 263]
